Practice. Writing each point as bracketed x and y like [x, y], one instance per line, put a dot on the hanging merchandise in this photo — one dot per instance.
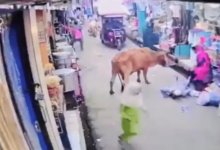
[141, 4]
[176, 10]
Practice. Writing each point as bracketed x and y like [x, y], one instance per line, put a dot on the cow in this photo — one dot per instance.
[93, 28]
[135, 60]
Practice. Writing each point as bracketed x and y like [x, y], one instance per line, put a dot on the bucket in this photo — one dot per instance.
[62, 60]
[69, 78]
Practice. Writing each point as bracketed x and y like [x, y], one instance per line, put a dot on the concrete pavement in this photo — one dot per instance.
[165, 127]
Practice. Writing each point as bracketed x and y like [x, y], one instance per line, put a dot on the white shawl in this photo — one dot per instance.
[132, 96]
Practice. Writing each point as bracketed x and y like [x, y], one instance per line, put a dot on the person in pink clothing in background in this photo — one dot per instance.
[76, 34]
[202, 74]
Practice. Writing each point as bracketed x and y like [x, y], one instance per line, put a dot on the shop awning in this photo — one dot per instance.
[198, 1]
[112, 8]
[24, 2]
[39, 6]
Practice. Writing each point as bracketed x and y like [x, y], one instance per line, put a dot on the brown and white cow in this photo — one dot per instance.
[93, 28]
[135, 60]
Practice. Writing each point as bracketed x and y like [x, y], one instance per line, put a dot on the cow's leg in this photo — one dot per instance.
[126, 80]
[138, 76]
[112, 83]
[145, 75]
[122, 82]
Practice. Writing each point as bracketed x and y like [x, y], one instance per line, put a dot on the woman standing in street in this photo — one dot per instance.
[131, 103]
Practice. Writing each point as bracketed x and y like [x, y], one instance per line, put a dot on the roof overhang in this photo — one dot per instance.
[198, 1]
[30, 2]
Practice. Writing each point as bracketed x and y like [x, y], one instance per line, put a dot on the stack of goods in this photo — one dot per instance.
[195, 36]
[48, 68]
[53, 86]
[214, 50]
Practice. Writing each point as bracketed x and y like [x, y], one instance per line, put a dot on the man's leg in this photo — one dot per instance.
[81, 43]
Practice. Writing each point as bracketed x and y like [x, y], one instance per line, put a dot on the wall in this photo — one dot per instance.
[11, 135]
[42, 33]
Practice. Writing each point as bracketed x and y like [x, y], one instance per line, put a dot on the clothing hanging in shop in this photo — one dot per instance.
[185, 20]
[176, 11]
[176, 29]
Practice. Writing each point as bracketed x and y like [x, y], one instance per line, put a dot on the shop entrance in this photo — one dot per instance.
[20, 81]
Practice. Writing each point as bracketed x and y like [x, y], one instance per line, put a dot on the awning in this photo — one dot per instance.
[112, 7]
[198, 1]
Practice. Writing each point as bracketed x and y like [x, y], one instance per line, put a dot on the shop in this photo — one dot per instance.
[50, 118]
[41, 118]
[172, 22]
[206, 30]
[12, 137]
[21, 84]
[61, 88]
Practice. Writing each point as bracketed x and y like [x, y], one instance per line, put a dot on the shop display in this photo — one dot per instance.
[68, 77]
[62, 60]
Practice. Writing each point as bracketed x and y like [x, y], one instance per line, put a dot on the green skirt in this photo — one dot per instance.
[130, 122]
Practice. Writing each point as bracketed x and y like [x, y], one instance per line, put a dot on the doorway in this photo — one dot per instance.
[20, 81]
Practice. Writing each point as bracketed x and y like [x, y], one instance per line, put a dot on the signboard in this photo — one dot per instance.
[41, 31]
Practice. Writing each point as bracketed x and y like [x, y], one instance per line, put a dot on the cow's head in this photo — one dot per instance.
[164, 59]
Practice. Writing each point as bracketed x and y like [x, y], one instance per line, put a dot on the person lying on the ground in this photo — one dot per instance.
[210, 97]
[131, 105]
[202, 74]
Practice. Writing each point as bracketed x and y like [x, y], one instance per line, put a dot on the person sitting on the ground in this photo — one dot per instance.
[202, 74]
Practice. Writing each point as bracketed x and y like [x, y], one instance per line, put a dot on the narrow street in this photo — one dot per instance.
[164, 127]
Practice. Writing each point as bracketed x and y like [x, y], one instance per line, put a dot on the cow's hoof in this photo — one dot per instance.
[138, 80]
[111, 92]
[122, 88]
[148, 82]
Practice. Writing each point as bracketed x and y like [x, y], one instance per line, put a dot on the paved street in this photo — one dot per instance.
[165, 127]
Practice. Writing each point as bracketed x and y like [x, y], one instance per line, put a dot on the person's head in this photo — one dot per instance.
[132, 95]
[198, 48]
[196, 18]
[78, 9]
[75, 22]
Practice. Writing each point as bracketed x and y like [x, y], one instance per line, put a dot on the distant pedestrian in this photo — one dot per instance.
[76, 34]
[131, 103]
